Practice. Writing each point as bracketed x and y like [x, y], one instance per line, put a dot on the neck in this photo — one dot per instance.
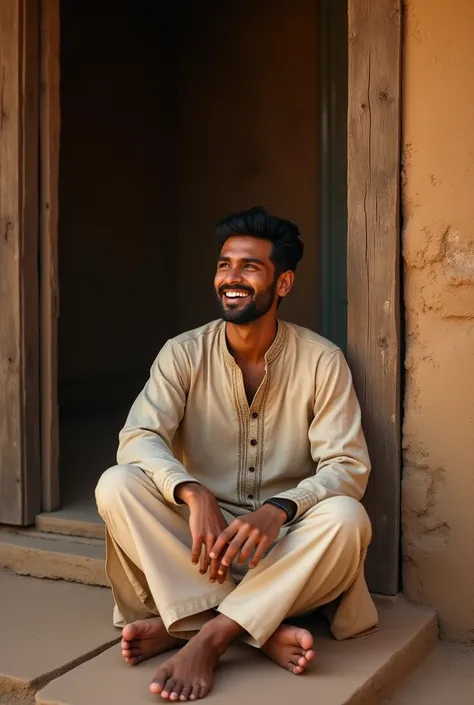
[252, 341]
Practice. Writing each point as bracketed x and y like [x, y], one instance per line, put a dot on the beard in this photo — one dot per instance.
[249, 310]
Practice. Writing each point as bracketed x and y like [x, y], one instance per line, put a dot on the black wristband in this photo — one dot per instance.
[287, 505]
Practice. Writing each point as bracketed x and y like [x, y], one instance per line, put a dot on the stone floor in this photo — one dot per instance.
[48, 627]
[58, 647]
[446, 677]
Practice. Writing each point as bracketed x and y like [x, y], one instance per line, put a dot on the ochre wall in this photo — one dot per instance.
[438, 250]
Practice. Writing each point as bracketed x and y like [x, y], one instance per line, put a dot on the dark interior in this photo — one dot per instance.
[172, 115]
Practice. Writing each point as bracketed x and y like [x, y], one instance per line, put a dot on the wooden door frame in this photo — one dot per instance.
[19, 374]
[373, 265]
[373, 259]
[49, 129]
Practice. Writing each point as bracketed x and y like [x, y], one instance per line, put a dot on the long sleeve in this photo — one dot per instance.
[338, 446]
[146, 439]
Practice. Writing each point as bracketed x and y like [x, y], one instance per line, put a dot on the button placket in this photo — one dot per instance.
[252, 455]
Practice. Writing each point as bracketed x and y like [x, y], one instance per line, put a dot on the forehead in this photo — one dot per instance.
[247, 247]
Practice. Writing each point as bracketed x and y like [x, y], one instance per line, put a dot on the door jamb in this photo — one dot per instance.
[49, 128]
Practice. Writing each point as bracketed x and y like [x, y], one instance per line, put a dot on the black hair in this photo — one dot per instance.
[287, 248]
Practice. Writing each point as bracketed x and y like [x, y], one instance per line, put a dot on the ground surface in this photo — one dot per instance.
[446, 677]
[58, 646]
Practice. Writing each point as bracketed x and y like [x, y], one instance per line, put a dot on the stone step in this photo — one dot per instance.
[49, 627]
[69, 522]
[355, 672]
[446, 676]
[31, 552]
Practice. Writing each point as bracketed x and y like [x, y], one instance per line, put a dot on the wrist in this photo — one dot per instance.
[287, 506]
[188, 492]
[276, 512]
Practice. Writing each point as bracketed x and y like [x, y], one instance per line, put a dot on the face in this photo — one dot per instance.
[246, 283]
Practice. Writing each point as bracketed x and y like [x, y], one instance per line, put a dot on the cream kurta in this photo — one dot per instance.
[300, 439]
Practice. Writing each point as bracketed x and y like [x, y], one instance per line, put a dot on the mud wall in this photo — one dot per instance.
[438, 251]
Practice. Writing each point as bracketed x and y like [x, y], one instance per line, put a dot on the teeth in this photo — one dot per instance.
[236, 294]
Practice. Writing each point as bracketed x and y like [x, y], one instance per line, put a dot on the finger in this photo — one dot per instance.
[234, 547]
[222, 575]
[224, 538]
[205, 561]
[259, 552]
[213, 570]
[249, 546]
[213, 563]
[196, 548]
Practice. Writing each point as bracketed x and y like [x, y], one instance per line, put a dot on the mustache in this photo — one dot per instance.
[224, 288]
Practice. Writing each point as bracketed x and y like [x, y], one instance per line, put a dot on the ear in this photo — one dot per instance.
[285, 282]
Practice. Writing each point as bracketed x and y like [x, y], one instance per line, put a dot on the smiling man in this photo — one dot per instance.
[236, 501]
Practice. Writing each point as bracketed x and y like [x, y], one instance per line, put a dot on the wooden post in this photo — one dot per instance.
[373, 264]
[19, 418]
[49, 287]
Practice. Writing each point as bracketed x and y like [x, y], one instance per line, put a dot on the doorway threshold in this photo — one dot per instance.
[81, 520]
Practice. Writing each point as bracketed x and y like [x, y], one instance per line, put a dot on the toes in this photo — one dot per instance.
[309, 655]
[203, 691]
[140, 629]
[185, 693]
[195, 692]
[158, 682]
[297, 670]
[176, 691]
[305, 639]
[131, 631]
[168, 688]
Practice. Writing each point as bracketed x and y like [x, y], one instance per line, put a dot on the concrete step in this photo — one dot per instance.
[49, 627]
[446, 676]
[31, 552]
[72, 522]
[355, 672]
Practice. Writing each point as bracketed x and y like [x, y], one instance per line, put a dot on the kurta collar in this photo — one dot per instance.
[272, 353]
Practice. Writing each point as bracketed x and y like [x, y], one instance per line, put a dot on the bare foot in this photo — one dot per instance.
[146, 638]
[291, 648]
[188, 674]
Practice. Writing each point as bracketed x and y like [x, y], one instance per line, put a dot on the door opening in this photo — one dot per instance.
[171, 117]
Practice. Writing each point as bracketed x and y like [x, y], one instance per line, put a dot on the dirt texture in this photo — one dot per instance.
[438, 254]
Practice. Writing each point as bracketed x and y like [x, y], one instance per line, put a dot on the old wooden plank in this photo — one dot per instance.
[19, 437]
[49, 178]
[373, 259]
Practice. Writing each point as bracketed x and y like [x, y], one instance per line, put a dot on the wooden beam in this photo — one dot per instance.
[19, 418]
[373, 264]
[49, 287]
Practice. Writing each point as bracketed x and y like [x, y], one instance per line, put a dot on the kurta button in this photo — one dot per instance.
[255, 415]
[251, 469]
[253, 442]
[250, 496]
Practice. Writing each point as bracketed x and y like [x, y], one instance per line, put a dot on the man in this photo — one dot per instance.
[243, 455]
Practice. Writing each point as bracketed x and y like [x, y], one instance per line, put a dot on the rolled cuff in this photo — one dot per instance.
[167, 481]
[304, 500]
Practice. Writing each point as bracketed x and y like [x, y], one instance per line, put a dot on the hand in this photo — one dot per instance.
[206, 523]
[252, 533]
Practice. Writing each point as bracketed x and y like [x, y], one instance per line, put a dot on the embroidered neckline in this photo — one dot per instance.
[270, 356]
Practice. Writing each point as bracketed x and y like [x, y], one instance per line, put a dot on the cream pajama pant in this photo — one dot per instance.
[317, 559]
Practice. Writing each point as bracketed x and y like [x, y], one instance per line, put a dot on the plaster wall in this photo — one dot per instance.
[438, 252]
